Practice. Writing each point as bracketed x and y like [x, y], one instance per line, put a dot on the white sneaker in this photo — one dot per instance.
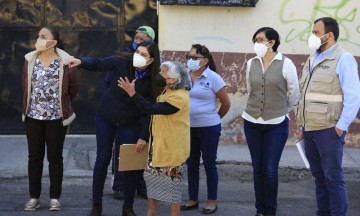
[54, 205]
[32, 204]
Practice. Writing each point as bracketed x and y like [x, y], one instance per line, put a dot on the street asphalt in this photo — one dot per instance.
[235, 192]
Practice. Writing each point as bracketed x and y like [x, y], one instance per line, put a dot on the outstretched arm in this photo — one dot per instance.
[159, 108]
[95, 64]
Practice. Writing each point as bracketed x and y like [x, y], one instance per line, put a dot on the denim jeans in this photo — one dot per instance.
[41, 133]
[266, 143]
[204, 140]
[324, 150]
[105, 134]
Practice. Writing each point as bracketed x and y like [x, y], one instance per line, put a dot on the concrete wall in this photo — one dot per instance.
[227, 32]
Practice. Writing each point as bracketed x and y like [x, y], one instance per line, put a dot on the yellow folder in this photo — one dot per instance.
[130, 160]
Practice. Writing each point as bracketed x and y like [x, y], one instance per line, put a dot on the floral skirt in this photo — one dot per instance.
[163, 183]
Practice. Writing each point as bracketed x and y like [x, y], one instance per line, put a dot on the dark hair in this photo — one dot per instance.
[331, 25]
[55, 33]
[204, 51]
[271, 34]
[154, 52]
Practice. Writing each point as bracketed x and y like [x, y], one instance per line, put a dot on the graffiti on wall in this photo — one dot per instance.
[347, 16]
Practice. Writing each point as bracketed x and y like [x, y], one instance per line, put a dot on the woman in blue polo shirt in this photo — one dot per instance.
[205, 121]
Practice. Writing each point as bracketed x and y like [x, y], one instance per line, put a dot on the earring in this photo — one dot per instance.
[271, 49]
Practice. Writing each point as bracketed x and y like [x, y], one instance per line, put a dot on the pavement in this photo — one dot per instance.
[235, 196]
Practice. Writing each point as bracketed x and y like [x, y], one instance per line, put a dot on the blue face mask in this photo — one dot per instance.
[134, 45]
[193, 65]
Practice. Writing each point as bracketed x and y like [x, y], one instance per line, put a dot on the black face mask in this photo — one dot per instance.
[160, 80]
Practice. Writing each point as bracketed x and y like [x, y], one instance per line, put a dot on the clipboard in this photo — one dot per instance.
[130, 160]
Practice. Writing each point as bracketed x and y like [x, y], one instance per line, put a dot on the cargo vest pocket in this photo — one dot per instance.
[317, 114]
[322, 84]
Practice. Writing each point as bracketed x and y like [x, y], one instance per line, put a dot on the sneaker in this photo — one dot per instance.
[54, 205]
[32, 204]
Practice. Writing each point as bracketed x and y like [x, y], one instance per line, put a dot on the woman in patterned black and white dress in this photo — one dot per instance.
[48, 88]
[170, 135]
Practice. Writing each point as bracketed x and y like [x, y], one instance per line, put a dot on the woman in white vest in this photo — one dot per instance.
[273, 89]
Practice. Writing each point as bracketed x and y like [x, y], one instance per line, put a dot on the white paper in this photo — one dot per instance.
[301, 147]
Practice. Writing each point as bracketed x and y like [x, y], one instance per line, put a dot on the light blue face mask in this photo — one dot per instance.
[193, 65]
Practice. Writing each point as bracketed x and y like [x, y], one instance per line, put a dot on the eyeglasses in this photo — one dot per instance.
[194, 57]
[259, 40]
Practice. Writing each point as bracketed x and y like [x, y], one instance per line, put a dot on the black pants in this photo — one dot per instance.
[38, 133]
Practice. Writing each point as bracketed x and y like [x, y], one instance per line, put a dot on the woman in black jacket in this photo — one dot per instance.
[116, 111]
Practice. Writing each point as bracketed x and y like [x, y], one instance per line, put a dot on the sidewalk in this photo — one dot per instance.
[235, 190]
[80, 152]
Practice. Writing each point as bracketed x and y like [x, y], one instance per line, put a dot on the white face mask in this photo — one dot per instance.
[193, 65]
[260, 49]
[138, 61]
[41, 44]
[314, 42]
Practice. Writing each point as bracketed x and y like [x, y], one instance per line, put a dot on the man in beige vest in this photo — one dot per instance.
[330, 102]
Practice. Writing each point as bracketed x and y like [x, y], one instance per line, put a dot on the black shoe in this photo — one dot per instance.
[119, 195]
[128, 211]
[96, 209]
[209, 211]
[187, 208]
